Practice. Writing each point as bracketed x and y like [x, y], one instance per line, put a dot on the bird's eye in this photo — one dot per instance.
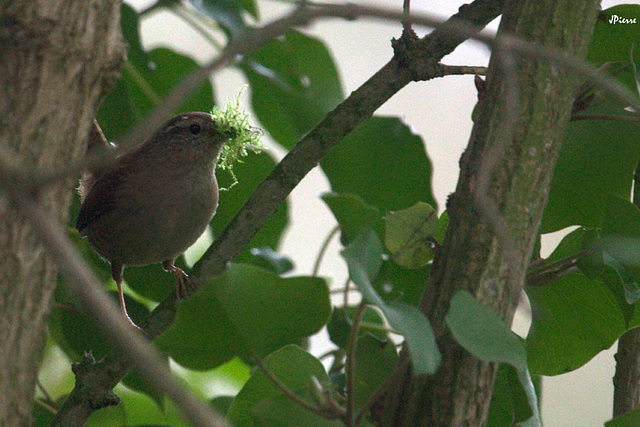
[194, 129]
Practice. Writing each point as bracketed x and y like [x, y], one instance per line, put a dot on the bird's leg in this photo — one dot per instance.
[183, 283]
[117, 271]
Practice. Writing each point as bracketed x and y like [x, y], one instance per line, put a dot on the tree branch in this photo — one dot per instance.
[626, 381]
[336, 125]
[305, 155]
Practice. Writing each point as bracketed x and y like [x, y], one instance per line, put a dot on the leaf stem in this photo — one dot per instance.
[290, 393]
[323, 250]
[350, 363]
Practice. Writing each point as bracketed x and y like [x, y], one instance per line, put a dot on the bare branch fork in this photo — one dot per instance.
[307, 153]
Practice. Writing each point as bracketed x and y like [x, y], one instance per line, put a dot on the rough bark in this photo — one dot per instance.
[626, 382]
[56, 59]
[626, 395]
[496, 210]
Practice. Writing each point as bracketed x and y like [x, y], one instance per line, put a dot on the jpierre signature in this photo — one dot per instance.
[615, 19]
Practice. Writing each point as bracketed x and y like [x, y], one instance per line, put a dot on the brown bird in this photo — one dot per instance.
[155, 200]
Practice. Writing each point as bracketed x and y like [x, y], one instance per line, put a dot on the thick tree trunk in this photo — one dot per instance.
[496, 210]
[56, 59]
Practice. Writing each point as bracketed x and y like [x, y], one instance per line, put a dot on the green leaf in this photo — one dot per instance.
[621, 244]
[271, 260]
[245, 311]
[631, 290]
[339, 326]
[375, 361]
[282, 411]
[221, 404]
[228, 13]
[401, 284]
[598, 157]
[352, 213]
[613, 41]
[509, 403]
[483, 333]
[261, 400]
[574, 318]
[294, 84]
[151, 281]
[383, 162]
[408, 234]
[630, 419]
[486, 336]
[251, 171]
[363, 256]
[150, 82]
[146, 79]
[139, 410]
[74, 329]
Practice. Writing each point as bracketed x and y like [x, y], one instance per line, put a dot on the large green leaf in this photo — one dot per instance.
[509, 402]
[294, 84]
[574, 318]
[364, 258]
[250, 172]
[598, 157]
[245, 311]
[151, 281]
[482, 333]
[374, 363]
[150, 82]
[352, 213]
[383, 162]
[613, 40]
[260, 402]
[621, 242]
[485, 335]
[146, 79]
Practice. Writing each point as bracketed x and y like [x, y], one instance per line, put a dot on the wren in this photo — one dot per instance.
[155, 200]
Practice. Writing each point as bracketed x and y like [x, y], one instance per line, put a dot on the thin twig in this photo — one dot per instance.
[458, 70]
[287, 391]
[323, 250]
[347, 289]
[406, 19]
[351, 362]
[50, 403]
[196, 21]
[49, 406]
[612, 117]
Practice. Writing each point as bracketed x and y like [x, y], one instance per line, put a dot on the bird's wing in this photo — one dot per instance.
[100, 200]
